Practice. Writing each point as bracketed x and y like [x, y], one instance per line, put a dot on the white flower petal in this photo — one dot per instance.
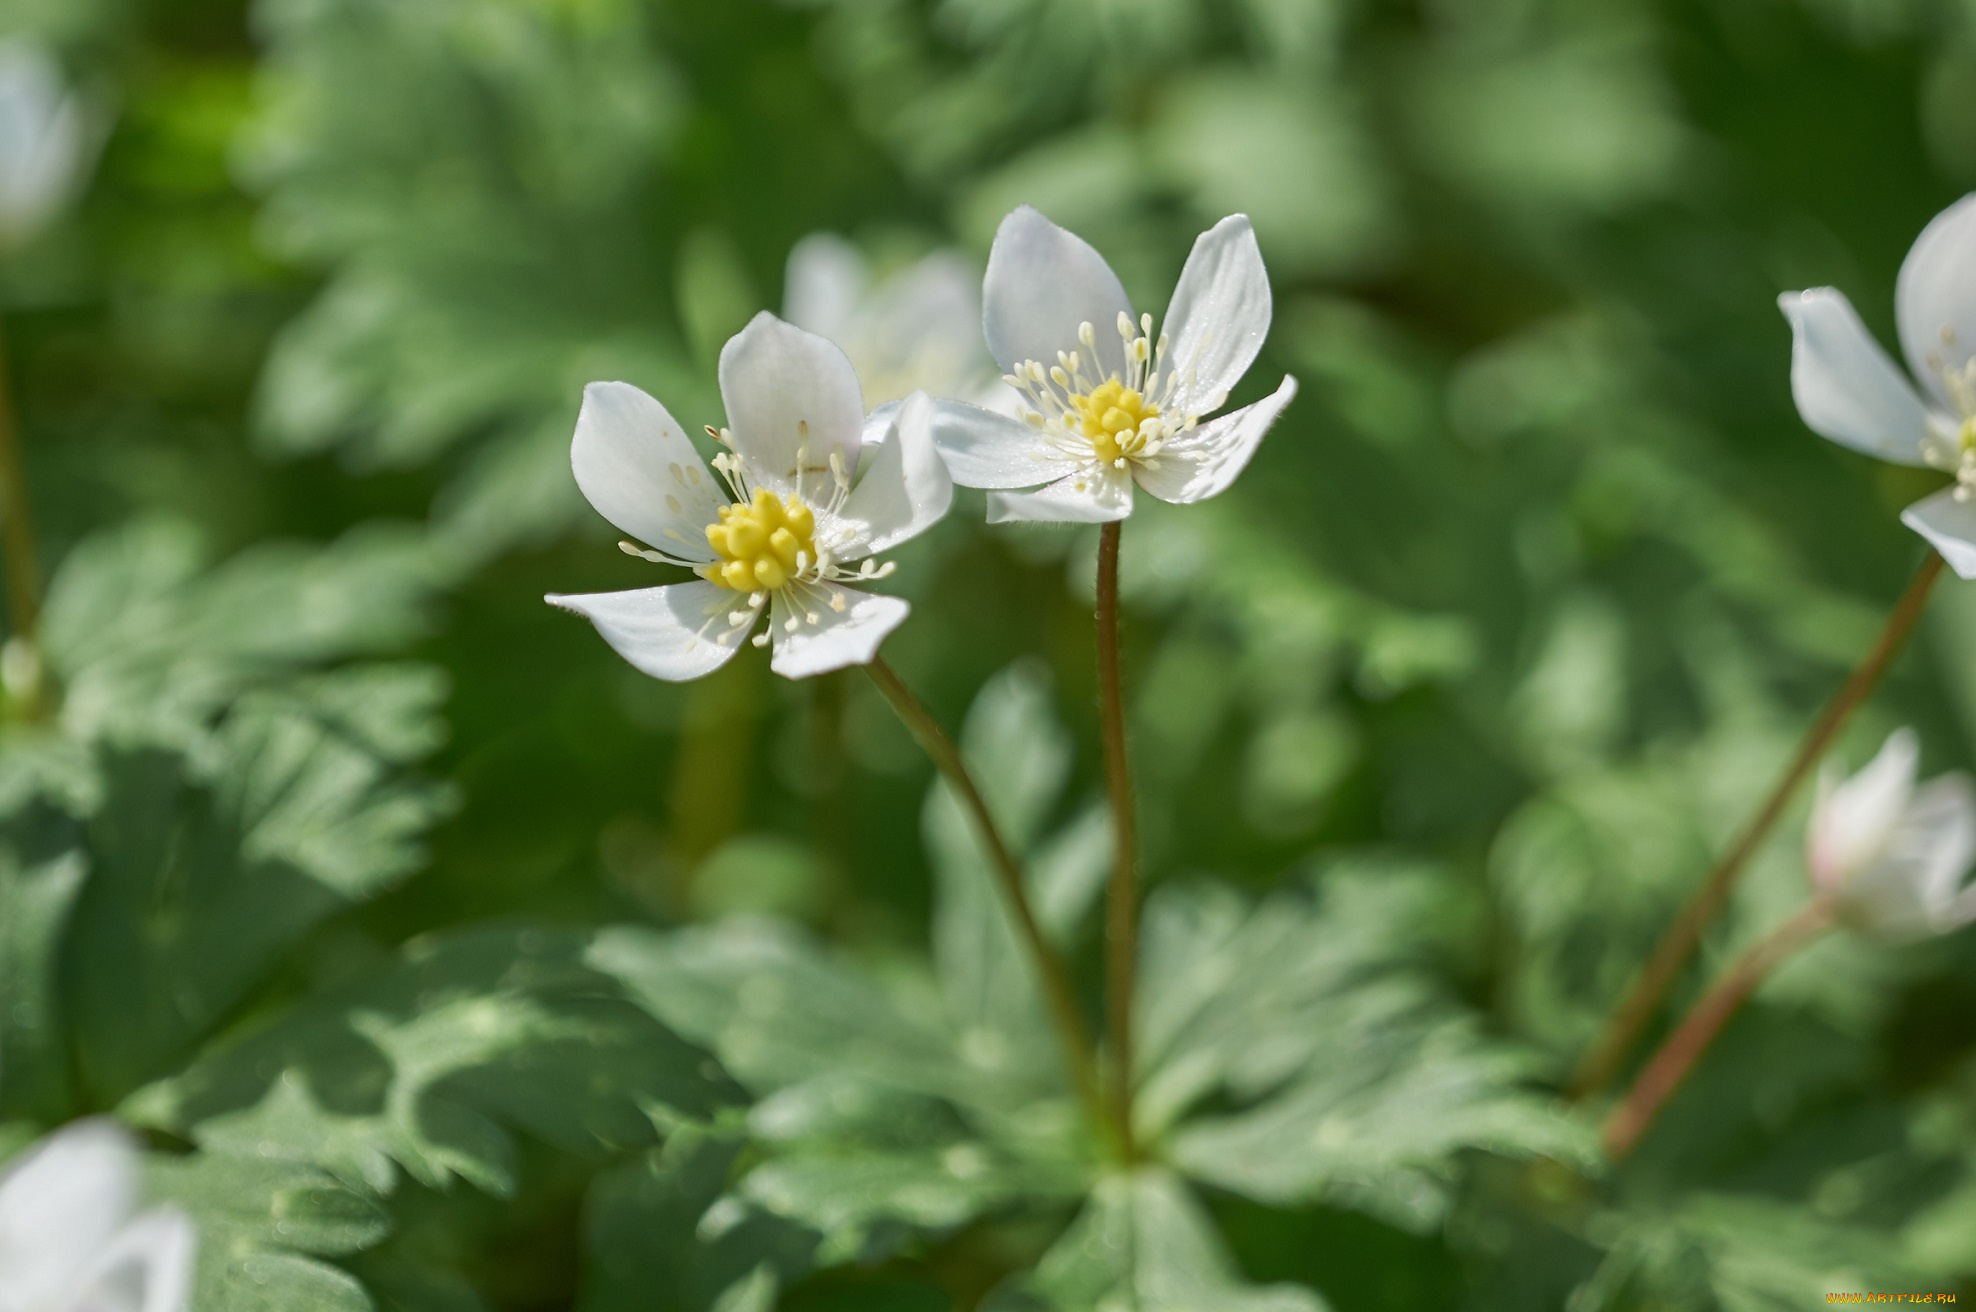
[1204, 460]
[1911, 889]
[675, 633]
[825, 280]
[878, 428]
[920, 331]
[1218, 317]
[985, 449]
[1950, 527]
[1085, 497]
[1042, 283]
[147, 1268]
[1852, 821]
[906, 490]
[1885, 899]
[1847, 388]
[825, 638]
[61, 1202]
[1938, 834]
[1935, 299]
[636, 466]
[792, 399]
[45, 140]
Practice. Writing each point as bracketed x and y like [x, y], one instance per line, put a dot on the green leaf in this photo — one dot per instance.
[776, 1009]
[1143, 1244]
[663, 1235]
[150, 643]
[1745, 1254]
[35, 902]
[1379, 1123]
[1358, 1083]
[1020, 756]
[873, 1125]
[263, 1226]
[47, 784]
[865, 1165]
[426, 1067]
[206, 869]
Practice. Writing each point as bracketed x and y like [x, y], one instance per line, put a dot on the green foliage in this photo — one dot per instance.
[199, 883]
[1143, 1243]
[210, 795]
[659, 1237]
[891, 1104]
[422, 1068]
[455, 967]
[150, 644]
[264, 1227]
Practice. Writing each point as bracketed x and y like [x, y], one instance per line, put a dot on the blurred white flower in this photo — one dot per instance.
[917, 330]
[1849, 390]
[70, 1238]
[1890, 855]
[790, 512]
[46, 144]
[1104, 403]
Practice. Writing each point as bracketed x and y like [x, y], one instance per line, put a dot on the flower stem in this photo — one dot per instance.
[23, 573]
[23, 569]
[1676, 1058]
[1122, 897]
[1057, 991]
[1602, 1061]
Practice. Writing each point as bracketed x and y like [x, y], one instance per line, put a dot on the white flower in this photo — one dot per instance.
[1891, 855]
[46, 143]
[778, 529]
[70, 1239]
[1848, 389]
[1105, 403]
[918, 330]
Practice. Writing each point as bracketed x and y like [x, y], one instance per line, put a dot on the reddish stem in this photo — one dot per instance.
[1122, 898]
[1602, 1061]
[1677, 1057]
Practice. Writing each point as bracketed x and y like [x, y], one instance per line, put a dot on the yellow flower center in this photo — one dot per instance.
[762, 544]
[1110, 415]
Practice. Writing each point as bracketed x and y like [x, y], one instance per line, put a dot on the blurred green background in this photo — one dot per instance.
[1531, 590]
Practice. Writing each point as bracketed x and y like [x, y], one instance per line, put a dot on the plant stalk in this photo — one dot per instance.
[1122, 896]
[23, 569]
[1677, 1057]
[1602, 1061]
[22, 671]
[1057, 992]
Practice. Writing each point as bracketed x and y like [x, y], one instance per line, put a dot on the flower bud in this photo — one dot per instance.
[46, 142]
[1893, 855]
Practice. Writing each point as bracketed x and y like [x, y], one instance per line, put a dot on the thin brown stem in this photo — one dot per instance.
[21, 667]
[1122, 898]
[1060, 998]
[1602, 1061]
[1677, 1057]
[17, 533]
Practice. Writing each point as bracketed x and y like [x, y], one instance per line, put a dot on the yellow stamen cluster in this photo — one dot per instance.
[762, 544]
[1114, 420]
[1110, 414]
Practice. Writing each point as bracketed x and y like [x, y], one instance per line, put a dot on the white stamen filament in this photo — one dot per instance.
[1052, 392]
[801, 600]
